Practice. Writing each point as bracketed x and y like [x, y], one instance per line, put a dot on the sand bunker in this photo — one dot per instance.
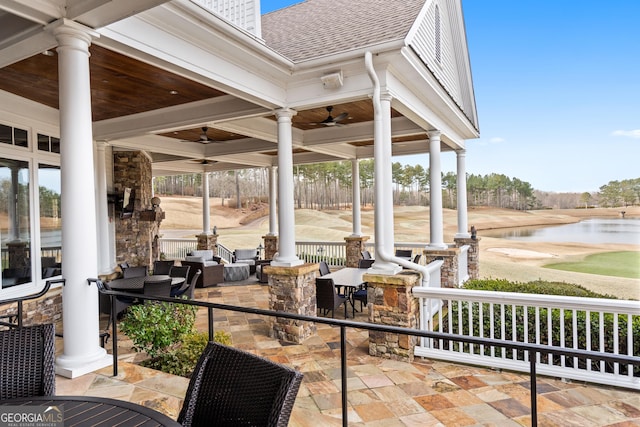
[521, 253]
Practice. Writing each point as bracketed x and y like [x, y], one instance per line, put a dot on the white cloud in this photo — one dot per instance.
[635, 133]
[496, 140]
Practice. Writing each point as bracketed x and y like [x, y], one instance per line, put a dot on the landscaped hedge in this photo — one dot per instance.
[513, 322]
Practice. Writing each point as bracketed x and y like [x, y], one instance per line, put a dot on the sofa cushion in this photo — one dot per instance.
[206, 254]
[245, 254]
[210, 263]
[192, 258]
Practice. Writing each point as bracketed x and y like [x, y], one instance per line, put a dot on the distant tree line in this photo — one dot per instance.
[328, 186]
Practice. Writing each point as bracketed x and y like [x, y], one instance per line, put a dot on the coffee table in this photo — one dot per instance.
[235, 272]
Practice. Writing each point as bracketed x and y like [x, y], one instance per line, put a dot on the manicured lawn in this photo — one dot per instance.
[619, 264]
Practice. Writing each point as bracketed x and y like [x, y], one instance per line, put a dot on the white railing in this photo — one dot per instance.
[177, 248]
[225, 253]
[463, 264]
[613, 326]
[333, 253]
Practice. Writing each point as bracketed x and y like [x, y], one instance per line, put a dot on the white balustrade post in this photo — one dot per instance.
[436, 223]
[286, 255]
[206, 209]
[273, 197]
[106, 259]
[462, 195]
[355, 182]
[80, 314]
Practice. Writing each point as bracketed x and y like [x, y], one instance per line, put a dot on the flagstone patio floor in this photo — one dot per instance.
[380, 392]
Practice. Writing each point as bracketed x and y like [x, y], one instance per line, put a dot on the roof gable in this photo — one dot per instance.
[316, 28]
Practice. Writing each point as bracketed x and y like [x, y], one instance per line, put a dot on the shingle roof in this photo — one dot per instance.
[316, 28]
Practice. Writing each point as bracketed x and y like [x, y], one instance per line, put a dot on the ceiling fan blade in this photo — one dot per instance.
[341, 117]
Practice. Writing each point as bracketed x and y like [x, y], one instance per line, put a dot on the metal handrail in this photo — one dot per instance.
[533, 349]
[21, 299]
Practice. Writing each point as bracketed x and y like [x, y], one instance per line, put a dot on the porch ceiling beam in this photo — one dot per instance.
[178, 117]
[161, 144]
[256, 127]
[238, 146]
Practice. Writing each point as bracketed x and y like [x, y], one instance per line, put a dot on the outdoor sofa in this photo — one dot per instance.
[210, 265]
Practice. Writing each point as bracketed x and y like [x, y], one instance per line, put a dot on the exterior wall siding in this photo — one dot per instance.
[452, 71]
[242, 13]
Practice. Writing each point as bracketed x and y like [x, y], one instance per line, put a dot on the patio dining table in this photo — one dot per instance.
[349, 277]
[136, 284]
[86, 411]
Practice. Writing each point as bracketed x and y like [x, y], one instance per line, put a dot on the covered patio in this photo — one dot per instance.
[380, 391]
[109, 94]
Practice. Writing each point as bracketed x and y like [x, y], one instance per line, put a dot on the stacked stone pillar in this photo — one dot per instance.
[135, 234]
[293, 290]
[207, 241]
[354, 247]
[449, 270]
[270, 246]
[392, 303]
[473, 260]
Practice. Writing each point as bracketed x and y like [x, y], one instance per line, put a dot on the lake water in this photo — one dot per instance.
[594, 231]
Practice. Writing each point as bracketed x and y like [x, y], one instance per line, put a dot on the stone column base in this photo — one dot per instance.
[208, 241]
[391, 303]
[473, 260]
[449, 271]
[355, 246]
[270, 246]
[293, 290]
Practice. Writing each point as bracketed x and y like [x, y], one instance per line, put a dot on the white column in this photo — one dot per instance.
[383, 209]
[206, 209]
[273, 198]
[105, 259]
[435, 190]
[462, 194]
[82, 352]
[286, 255]
[355, 182]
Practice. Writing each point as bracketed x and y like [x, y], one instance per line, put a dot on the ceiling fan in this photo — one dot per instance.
[204, 138]
[332, 121]
[204, 161]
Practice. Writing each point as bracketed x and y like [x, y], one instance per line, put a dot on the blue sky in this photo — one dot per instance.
[557, 89]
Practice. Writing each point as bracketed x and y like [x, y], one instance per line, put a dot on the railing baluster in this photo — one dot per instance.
[587, 345]
[343, 367]
[503, 332]
[629, 343]
[616, 341]
[574, 326]
[601, 337]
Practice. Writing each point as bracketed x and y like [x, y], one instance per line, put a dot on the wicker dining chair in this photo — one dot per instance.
[231, 387]
[27, 362]
[135, 272]
[327, 298]
[157, 288]
[188, 288]
[162, 266]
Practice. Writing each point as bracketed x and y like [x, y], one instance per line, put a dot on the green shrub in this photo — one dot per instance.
[155, 327]
[182, 360]
[166, 333]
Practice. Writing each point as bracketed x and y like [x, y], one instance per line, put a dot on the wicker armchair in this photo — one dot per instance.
[27, 357]
[230, 387]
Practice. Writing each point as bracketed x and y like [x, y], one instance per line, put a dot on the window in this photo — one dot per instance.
[15, 236]
[48, 143]
[13, 136]
[50, 220]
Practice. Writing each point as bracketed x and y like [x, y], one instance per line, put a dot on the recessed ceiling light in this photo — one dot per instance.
[173, 92]
[48, 53]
